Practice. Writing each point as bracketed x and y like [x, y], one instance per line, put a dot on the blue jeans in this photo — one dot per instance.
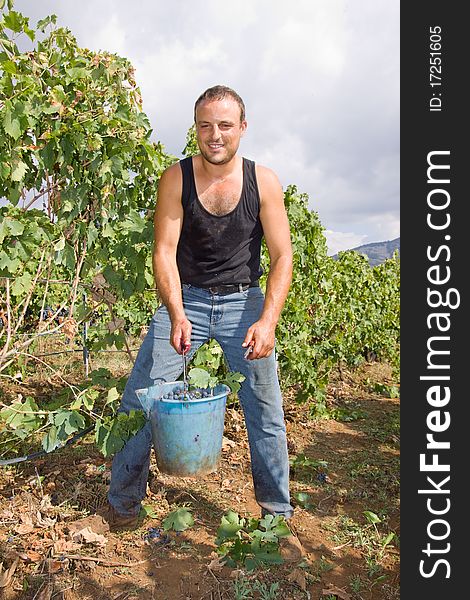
[226, 319]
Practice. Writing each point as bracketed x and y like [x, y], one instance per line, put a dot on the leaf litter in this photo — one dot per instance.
[43, 528]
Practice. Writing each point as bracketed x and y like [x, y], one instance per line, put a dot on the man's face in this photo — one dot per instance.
[219, 130]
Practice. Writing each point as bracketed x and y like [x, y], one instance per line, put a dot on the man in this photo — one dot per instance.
[212, 212]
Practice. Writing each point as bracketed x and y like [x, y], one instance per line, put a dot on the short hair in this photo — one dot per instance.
[219, 92]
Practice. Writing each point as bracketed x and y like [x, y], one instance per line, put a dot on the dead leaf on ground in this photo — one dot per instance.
[62, 546]
[227, 443]
[215, 564]
[26, 525]
[88, 536]
[53, 565]
[235, 415]
[24, 528]
[298, 577]
[46, 592]
[44, 522]
[46, 504]
[338, 592]
[91, 470]
[33, 556]
[6, 576]
[95, 522]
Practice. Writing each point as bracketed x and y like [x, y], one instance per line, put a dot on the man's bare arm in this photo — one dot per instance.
[168, 221]
[277, 235]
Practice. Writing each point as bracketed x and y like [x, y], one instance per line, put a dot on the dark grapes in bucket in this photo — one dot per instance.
[181, 395]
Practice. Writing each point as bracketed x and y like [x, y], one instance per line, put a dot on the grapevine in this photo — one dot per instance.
[80, 175]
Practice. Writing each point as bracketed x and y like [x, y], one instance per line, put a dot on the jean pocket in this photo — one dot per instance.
[253, 292]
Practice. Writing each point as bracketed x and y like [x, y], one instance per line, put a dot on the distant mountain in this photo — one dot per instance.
[378, 252]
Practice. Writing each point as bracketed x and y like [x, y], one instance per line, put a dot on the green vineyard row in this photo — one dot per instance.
[80, 175]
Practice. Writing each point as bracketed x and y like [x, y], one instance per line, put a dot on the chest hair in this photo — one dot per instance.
[220, 199]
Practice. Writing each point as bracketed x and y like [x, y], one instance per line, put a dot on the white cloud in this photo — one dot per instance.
[385, 225]
[311, 40]
[338, 240]
[173, 75]
[112, 37]
[320, 81]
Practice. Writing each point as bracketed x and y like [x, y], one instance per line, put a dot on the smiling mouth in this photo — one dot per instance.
[215, 146]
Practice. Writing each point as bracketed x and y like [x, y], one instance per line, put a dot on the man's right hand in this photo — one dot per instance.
[180, 335]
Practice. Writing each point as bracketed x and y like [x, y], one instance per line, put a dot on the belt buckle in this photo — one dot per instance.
[228, 289]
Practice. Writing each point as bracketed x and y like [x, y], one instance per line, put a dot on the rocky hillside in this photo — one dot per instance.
[378, 252]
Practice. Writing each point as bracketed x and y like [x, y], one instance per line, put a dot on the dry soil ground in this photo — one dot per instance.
[43, 504]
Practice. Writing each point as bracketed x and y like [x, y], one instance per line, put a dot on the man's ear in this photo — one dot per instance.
[243, 126]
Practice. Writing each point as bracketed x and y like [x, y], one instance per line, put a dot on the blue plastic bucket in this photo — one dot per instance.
[187, 436]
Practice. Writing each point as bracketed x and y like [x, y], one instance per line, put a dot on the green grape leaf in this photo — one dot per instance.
[268, 557]
[178, 520]
[21, 417]
[280, 527]
[372, 517]
[107, 438]
[234, 380]
[77, 403]
[21, 284]
[112, 396]
[50, 441]
[148, 511]
[101, 376]
[19, 171]
[111, 433]
[230, 524]
[89, 398]
[60, 244]
[11, 126]
[199, 377]
[68, 422]
[14, 21]
[15, 227]
[43, 23]
[11, 265]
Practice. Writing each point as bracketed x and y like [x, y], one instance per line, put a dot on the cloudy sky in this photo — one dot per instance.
[320, 80]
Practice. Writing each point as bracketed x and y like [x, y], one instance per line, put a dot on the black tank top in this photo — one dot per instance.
[225, 249]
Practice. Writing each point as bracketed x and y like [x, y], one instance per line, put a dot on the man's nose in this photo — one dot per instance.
[215, 132]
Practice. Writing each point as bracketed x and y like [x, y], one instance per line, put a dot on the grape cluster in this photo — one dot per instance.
[156, 536]
[183, 395]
